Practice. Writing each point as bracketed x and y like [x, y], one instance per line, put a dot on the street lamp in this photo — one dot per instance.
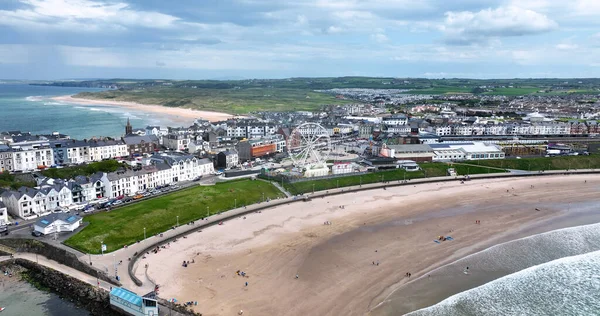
[263, 196]
[177, 220]
[207, 212]
[338, 183]
[115, 264]
[144, 232]
[234, 203]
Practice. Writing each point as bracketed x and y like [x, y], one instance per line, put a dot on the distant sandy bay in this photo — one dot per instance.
[182, 115]
[358, 261]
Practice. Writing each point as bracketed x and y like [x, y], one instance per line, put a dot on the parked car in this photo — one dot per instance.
[35, 233]
[139, 196]
[197, 178]
[117, 202]
[127, 199]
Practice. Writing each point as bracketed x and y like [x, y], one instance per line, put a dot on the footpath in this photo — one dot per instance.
[123, 262]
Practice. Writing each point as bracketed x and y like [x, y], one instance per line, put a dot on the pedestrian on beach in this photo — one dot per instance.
[246, 283]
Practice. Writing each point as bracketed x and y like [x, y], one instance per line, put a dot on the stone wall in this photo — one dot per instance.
[96, 301]
[59, 255]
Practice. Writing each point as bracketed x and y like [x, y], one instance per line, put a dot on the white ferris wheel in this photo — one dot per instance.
[309, 144]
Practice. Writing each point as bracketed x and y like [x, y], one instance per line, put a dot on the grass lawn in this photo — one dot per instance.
[125, 225]
[427, 170]
[545, 163]
[513, 91]
[82, 170]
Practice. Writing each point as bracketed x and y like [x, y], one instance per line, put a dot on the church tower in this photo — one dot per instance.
[128, 128]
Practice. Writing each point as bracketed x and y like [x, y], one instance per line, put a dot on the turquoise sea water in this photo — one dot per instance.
[30, 108]
[569, 285]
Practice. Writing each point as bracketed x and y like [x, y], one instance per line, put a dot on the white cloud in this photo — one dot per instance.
[567, 46]
[468, 27]
[82, 15]
[379, 38]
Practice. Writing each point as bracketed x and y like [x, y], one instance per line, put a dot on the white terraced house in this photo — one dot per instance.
[26, 203]
[31, 158]
[53, 194]
[3, 213]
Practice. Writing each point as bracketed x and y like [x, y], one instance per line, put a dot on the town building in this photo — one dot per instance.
[414, 152]
[228, 159]
[255, 148]
[178, 142]
[3, 213]
[342, 168]
[57, 223]
[26, 203]
[30, 159]
[395, 120]
[466, 151]
[139, 145]
[129, 303]
[6, 159]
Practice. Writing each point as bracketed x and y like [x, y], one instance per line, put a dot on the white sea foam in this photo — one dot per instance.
[54, 103]
[566, 286]
[569, 285]
[34, 98]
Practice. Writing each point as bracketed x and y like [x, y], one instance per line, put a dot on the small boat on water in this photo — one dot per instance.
[2, 308]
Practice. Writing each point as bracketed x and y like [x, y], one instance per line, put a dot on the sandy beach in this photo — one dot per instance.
[358, 261]
[182, 115]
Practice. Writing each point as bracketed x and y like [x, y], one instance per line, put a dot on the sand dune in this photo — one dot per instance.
[395, 228]
[183, 115]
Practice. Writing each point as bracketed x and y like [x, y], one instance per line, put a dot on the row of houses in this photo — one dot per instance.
[32, 155]
[52, 194]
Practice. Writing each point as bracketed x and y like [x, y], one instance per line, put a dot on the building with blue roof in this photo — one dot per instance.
[128, 302]
[57, 222]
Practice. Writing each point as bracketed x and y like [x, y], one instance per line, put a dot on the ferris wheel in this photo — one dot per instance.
[308, 144]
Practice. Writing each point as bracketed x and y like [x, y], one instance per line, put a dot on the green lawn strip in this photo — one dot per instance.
[82, 170]
[125, 226]
[545, 163]
[427, 170]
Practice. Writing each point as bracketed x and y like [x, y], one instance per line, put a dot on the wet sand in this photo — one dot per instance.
[181, 115]
[395, 227]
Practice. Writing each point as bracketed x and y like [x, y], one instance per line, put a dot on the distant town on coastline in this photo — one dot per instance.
[363, 130]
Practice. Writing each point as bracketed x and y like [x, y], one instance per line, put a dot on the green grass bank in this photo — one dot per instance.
[125, 226]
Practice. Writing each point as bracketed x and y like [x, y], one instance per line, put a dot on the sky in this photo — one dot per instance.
[228, 39]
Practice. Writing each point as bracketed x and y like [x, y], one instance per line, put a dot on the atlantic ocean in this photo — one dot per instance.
[31, 108]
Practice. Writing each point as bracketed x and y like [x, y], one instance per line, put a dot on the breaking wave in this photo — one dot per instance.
[566, 282]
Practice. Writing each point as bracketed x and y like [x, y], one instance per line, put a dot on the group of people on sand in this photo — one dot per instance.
[186, 263]
[408, 274]
[326, 223]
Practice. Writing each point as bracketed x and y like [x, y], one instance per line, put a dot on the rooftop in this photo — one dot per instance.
[127, 296]
[65, 217]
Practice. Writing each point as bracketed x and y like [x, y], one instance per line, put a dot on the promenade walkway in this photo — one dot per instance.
[116, 263]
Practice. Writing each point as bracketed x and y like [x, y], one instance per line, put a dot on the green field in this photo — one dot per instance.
[545, 163]
[428, 170]
[234, 101]
[125, 226]
[83, 170]
[513, 91]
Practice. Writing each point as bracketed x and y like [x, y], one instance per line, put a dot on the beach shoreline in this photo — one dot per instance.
[181, 115]
[395, 227]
